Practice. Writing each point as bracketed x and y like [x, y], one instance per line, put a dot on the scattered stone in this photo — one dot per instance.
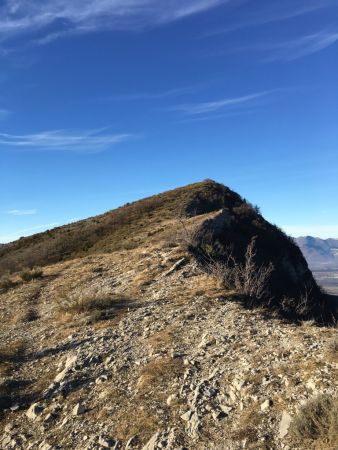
[6, 441]
[131, 442]
[172, 399]
[207, 340]
[15, 407]
[105, 442]
[186, 416]
[226, 409]
[78, 409]
[284, 424]
[101, 379]
[45, 446]
[180, 263]
[266, 405]
[34, 411]
[152, 443]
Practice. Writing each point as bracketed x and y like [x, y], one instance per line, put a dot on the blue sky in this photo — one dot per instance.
[107, 101]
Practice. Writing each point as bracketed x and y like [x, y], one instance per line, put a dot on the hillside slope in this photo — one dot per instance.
[156, 220]
[131, 337]
[143, 350]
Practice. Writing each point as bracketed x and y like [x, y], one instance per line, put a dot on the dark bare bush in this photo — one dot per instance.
[187, 234]
[300, 305]
[247, 278]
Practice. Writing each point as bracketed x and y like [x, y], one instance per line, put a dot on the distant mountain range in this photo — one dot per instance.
[319, 252]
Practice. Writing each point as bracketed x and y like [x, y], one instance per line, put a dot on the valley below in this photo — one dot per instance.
[327, 278]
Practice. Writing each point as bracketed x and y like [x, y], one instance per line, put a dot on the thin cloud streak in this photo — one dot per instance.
[84, 16]
[4, 113]
[22, 212]
[170, 93]
[195, 109]
[289, 50]
[86, 141]
[301, 47]
[273, 14]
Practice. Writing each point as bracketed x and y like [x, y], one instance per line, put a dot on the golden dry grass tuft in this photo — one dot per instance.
[316, 424]
[159, 372]
[90, 306]
[247, 427]
[6, 283]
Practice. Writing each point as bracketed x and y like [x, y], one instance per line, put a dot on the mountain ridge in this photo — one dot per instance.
[319, 251]
[156, 336]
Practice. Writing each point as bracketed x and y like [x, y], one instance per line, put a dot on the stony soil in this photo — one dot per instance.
[179, 365]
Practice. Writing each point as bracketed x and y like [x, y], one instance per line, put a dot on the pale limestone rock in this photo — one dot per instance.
[284, 424]
[266, 405]
[34, 411]
[151, 444]
[78, 409]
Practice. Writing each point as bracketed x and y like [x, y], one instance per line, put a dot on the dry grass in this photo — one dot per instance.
[159, 372]
[136, 421]
[9, 356]
[247, 427]
[6, 283]
[31, 274]
[28, 315]
[332, 350]
[162, 340]
[316, 424]
[90, 306]
[10, 352]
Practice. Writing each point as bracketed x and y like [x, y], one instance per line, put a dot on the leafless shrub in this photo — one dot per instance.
[224, 271]
[187, 234]
[247, 278]
[298, 305]
[317, 421]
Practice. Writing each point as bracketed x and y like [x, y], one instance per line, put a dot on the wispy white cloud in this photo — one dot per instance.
[233, 103]
[4, 113]
[170, 93]
[202, 118]
[84, 141]
[300, 47]
[289, 49]
[273, 11]
[51, 19]
[22, 212]
[5, 238]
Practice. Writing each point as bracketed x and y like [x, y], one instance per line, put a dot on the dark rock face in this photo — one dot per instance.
[236, 224]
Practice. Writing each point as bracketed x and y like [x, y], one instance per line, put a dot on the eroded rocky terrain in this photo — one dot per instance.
[177, 363]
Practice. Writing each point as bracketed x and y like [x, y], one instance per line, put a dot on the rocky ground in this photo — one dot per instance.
[179, 364]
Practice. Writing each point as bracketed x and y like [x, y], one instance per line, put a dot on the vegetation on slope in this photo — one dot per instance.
[228, 222]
